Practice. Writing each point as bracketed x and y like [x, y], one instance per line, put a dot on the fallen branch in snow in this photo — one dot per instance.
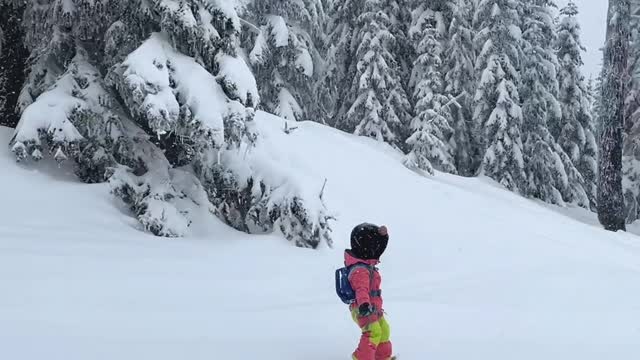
[322, 191]
[288, 130]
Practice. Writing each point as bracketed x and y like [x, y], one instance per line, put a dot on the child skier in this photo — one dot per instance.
[368, 242]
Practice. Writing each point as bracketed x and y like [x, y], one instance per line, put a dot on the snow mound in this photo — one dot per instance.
[271, 159]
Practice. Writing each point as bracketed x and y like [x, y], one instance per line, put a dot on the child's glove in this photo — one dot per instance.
[365, 310]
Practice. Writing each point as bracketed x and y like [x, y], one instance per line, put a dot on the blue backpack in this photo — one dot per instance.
[343, 286]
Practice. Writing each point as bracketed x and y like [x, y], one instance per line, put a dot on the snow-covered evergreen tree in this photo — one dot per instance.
[569, 49]
[429, 144]
[575, 129]
[551, 175]
[610, 196]
[497, 101]
[364, 72]
[336, 47]
[153, 96]
[459, 84]
[632, 101]
[284, 56]
[399, 12]
[546, 176]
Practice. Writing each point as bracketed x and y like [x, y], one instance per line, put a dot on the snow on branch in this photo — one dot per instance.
[258, 193]
[167, 91]
[50, 119]
[237, 79]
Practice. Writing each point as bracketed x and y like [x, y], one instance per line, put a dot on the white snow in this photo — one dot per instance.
[471, 271]
[240, 5]
[228, 8]
[147, 72]
[279, 30]
[304, 61]
[201, 93]
[288, 107]
[257, 54]
[67, 7]
[236, 70]
[75, 91]
[290, 174]
[206, 20]
[50, 113]
[150, 69]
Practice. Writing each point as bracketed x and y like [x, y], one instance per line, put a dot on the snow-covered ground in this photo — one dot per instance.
[471, 272]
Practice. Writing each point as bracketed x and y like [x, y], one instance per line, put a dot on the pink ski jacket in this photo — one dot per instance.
[366, 285]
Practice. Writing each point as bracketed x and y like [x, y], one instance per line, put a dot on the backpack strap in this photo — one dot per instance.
[371, 269]
[361, 266]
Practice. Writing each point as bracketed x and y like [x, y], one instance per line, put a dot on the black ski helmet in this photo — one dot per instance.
[369, 241]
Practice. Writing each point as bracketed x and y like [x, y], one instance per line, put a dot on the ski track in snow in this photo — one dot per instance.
[472, 271]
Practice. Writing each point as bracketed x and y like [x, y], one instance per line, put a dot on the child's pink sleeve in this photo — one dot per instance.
[360, 282]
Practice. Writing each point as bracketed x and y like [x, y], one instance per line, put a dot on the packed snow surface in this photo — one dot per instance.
[471, 272]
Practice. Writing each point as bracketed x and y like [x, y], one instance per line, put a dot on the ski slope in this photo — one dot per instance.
[471, 271]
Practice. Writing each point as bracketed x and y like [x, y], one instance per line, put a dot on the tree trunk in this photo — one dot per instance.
[12, 62]
[610, 197]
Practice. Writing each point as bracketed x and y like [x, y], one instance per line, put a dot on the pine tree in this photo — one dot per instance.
[610, 197]
[431, 126]
[460, 81]
[373, 101]
[547, 178]
[13, 56]
[632, 101]
[337, 49]
[575, 130]
[399, 12]
[284, 55]
[497, 108]
[551, 174]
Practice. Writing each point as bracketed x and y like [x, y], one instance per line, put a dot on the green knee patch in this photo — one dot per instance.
[375, 333]
[386, 331]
